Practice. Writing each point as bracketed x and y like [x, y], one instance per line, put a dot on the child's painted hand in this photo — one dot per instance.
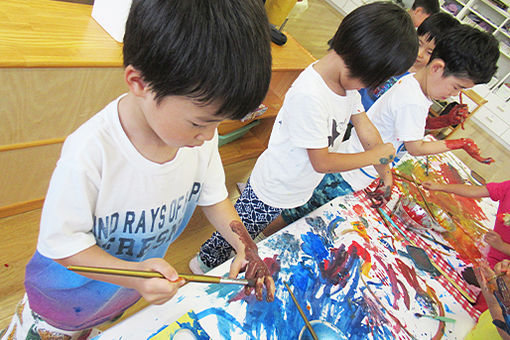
[155, 290]
[456, 115]
[468, 145]
[250, 261]
[383, 153]
[431, 185]
[502, 267]
[380, 195]
[494, 240]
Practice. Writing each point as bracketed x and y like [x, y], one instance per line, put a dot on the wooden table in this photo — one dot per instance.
[58, 68]
[346, 269]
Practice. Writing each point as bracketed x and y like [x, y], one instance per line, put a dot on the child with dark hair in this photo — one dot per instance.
[429, 32]
[422, 9]
[401, 113]
[333, 184]
[372, 43]
[129, 179]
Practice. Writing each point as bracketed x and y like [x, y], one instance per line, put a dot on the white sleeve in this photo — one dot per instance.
[67, 219]
[213, 189]
[305, 121]
[410, 123]
[357, 106]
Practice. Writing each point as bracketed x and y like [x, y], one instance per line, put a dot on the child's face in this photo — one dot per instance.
[440, 88]
[424, 52]
[179, 122]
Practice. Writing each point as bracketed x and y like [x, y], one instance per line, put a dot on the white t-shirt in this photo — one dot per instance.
[104, 192]
[400, 116]
[103, 188]
[312, 117]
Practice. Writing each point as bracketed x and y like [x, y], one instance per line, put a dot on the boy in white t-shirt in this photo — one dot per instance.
[463, 57]
[400, 114]
[129, 179]
[366, 50]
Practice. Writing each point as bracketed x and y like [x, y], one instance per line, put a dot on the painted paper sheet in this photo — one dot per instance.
[348, 271]
[186, 326]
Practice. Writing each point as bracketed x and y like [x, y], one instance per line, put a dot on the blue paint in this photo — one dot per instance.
[156, 332]
[333, 225]
[314, 247]
[323, 330]
[330, 293]
[286, 245]
[226, 322]
[387, 245]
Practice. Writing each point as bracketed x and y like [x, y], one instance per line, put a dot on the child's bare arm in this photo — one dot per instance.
[494, 240]
[325, 162]
[422, 148]
[376, 152]
[369, 137]
[154, 290]
[225, 219]
[486, 278]
[472, 191]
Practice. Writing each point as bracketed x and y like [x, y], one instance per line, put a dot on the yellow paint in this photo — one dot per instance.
[170, 331]
[360, 229]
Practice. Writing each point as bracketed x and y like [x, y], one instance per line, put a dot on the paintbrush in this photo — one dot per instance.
[447, 247]
[435, 317]
[307, 323]
[151, 274]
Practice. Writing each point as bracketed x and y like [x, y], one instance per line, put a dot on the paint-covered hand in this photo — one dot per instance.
[249, 260]
[255, 269]
[502, 267]
[457, 115]
[380, 195]
[494, 240]
[468, 145]
[155, 290]
[486, 278]
[382, 154]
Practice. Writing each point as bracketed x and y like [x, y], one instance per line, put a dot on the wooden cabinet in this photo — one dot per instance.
[58, 68]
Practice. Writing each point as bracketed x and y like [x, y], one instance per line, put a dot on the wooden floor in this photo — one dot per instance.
[312, 29]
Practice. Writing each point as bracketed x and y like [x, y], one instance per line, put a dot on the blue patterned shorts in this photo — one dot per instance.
[255, 215]
[331, 186]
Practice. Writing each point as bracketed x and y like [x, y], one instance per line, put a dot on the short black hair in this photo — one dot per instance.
[468, 53]
[209, 51]
[436, 25]
[376, 41]
[429, 6]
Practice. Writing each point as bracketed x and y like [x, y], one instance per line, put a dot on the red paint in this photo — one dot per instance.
[416, 213]
[358, 209]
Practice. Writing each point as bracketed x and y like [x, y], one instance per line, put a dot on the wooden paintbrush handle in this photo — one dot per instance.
[152, 274]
